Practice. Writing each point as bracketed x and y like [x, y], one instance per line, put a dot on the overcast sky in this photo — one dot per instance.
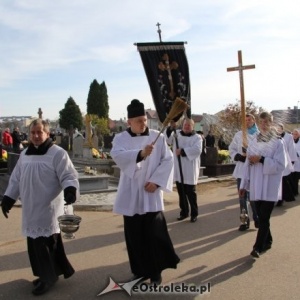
[53, 49]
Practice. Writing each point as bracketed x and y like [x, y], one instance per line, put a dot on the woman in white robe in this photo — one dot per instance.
[264, 166]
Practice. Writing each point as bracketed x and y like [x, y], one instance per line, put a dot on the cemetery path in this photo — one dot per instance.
[212, 251]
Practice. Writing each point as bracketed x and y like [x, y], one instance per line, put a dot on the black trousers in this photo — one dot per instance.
[295, 179]
[264, 210]
[48, 259]
[149, 246]
[287, 188]
[187, 196]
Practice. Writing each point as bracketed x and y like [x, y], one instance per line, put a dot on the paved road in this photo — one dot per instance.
[211, 251]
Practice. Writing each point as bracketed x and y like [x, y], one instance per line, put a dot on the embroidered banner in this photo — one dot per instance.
[167, 71]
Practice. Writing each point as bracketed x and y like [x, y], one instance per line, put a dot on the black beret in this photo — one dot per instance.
[135, 109]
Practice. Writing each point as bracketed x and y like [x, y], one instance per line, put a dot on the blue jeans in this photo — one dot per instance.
[244, 203]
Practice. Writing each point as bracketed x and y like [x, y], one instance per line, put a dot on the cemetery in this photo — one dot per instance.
[95, 174]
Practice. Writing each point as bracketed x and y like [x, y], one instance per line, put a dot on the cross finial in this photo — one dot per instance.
[40, 113]
[159, 31]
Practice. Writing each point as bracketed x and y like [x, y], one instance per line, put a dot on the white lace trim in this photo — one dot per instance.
[38, 232]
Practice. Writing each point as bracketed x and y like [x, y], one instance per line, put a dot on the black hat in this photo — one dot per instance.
[135, 109]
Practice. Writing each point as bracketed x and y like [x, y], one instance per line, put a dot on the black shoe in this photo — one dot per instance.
[42, 287]
[244, 227]
[193, 219]
[156, 280]
[180, 218]
[255, 253]
[35, 282]
[256, 224]
[69, 273]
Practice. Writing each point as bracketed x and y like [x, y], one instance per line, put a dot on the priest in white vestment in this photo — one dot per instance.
[44, 177]
[187, 147]
[264, 166]
[146, 172]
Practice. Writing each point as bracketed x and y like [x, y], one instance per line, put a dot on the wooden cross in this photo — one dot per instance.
[241, 68]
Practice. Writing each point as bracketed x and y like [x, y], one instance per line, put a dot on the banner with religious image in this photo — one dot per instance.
[167, 71]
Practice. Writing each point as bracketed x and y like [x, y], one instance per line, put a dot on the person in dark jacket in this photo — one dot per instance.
[210, 140]
[17, 140]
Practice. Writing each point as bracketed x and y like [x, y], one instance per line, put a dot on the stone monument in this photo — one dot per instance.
[78, 142]
[88, 144]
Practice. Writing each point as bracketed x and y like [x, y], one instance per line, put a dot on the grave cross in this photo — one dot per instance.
[40, 113]
[241, 68]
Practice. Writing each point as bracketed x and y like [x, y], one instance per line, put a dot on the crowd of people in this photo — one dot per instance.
[267, 172]
[14, 141]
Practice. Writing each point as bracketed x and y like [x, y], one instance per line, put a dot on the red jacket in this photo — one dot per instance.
[7, 139]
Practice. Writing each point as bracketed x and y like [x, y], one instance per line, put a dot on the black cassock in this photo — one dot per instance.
[149, 245]
[48, 258]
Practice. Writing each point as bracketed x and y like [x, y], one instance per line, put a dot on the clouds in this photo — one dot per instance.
[51, 50]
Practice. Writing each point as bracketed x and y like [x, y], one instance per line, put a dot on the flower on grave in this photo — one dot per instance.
[107, 155]
[100, 154]
[4, 155]
[223, 156]
[95, 153]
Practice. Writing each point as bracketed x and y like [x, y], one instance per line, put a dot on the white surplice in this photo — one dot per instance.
[297, 161]
[264, 180]
[291, 153]
[157, 168]
[39, 181]
[192, 146]
[236, 147]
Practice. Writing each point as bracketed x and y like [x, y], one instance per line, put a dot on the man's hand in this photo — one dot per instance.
[242, 193]
[147, 150]
[70, 195]
[178, 152]
[254, 159]
[6, 204]
[150, 187]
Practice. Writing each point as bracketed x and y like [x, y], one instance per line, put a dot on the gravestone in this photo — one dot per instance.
[65, 142]
[87, 152]
[95, 142]
[211, 157]
[107, 139]
[58, 140]
[78, 142]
